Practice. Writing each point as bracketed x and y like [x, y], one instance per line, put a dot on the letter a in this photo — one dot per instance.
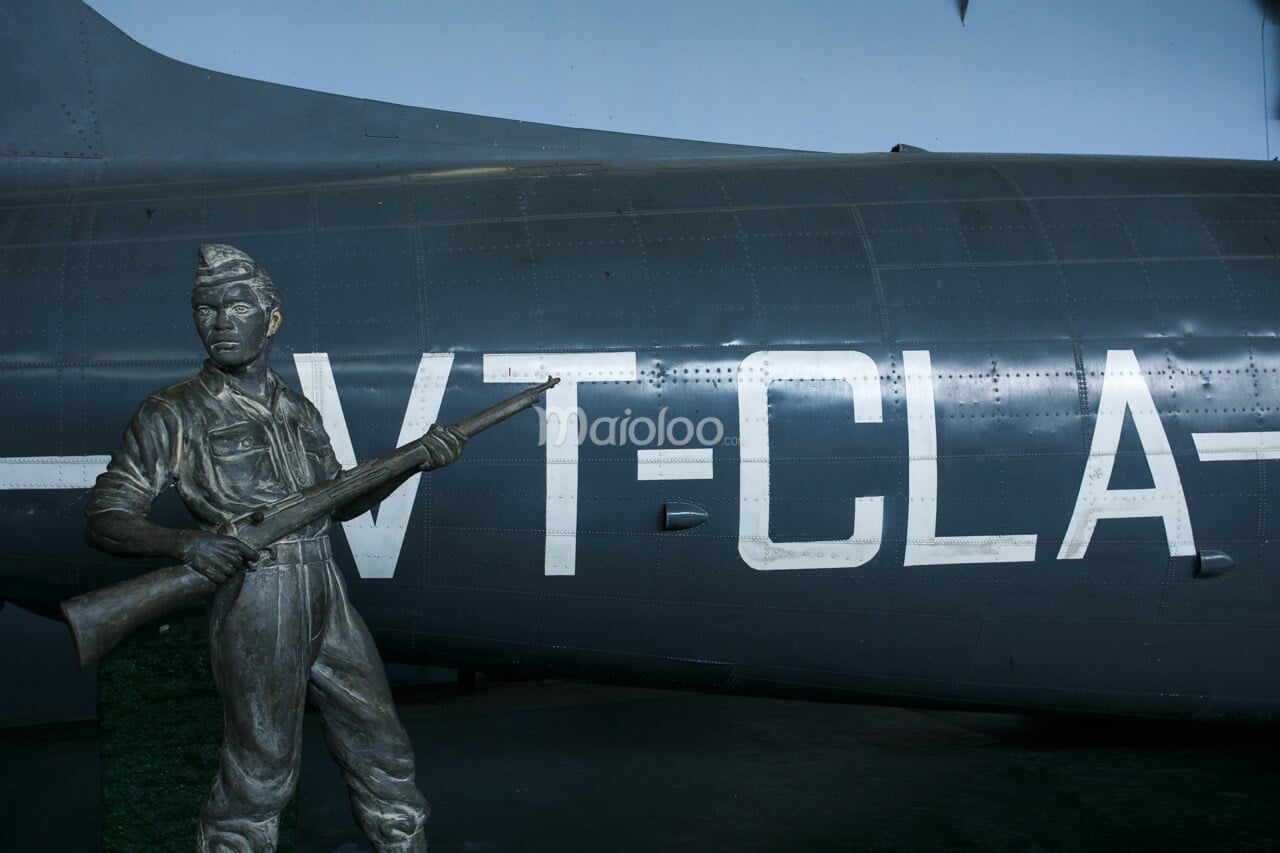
[1124, 389]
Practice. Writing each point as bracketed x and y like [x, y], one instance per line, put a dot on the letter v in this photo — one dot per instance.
[376, 544]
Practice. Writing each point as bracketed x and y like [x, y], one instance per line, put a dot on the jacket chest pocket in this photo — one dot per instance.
[310, 444]
[318, 451]
[242, 454]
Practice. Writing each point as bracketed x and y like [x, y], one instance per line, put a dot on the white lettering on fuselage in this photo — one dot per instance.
[376, 544]
[924, 546]
[756, 373]
[1124, 389]
[561, 548]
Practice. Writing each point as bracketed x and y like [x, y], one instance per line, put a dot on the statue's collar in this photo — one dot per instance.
[215, 379]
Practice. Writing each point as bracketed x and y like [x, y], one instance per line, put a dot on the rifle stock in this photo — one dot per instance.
[101, 618]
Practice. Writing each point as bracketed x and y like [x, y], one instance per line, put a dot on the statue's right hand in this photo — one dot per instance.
[215, 556]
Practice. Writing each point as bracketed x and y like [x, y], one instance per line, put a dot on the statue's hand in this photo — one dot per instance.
[445, 444]
[215, 556]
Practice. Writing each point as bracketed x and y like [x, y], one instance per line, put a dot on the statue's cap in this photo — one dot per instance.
[218, 263]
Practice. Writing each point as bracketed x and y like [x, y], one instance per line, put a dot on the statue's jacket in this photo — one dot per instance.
[226, 452]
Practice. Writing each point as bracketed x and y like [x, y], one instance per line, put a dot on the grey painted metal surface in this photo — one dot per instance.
[84, 103]
[996, 357]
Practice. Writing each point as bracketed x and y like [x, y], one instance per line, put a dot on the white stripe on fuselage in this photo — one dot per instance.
[693, 463]
[1236, 446]
[51, 472]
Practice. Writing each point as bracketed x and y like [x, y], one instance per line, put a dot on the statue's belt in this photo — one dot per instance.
[295, 552]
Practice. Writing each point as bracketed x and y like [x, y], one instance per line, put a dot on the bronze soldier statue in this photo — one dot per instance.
[231, 439]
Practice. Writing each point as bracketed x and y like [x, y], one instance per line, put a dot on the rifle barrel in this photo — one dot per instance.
[499, 412]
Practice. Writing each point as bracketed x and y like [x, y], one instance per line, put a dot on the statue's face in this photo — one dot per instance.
[233, 327]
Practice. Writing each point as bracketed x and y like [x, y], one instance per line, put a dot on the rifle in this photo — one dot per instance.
[102, 618]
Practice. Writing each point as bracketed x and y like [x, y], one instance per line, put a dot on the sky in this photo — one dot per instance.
[1165, 77]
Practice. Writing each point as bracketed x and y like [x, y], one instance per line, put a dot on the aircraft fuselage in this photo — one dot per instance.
[970, 431]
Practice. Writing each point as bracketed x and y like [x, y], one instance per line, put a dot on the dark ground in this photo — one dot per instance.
[558, 766]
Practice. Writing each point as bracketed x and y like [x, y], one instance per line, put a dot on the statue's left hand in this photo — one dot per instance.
[445, 444]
